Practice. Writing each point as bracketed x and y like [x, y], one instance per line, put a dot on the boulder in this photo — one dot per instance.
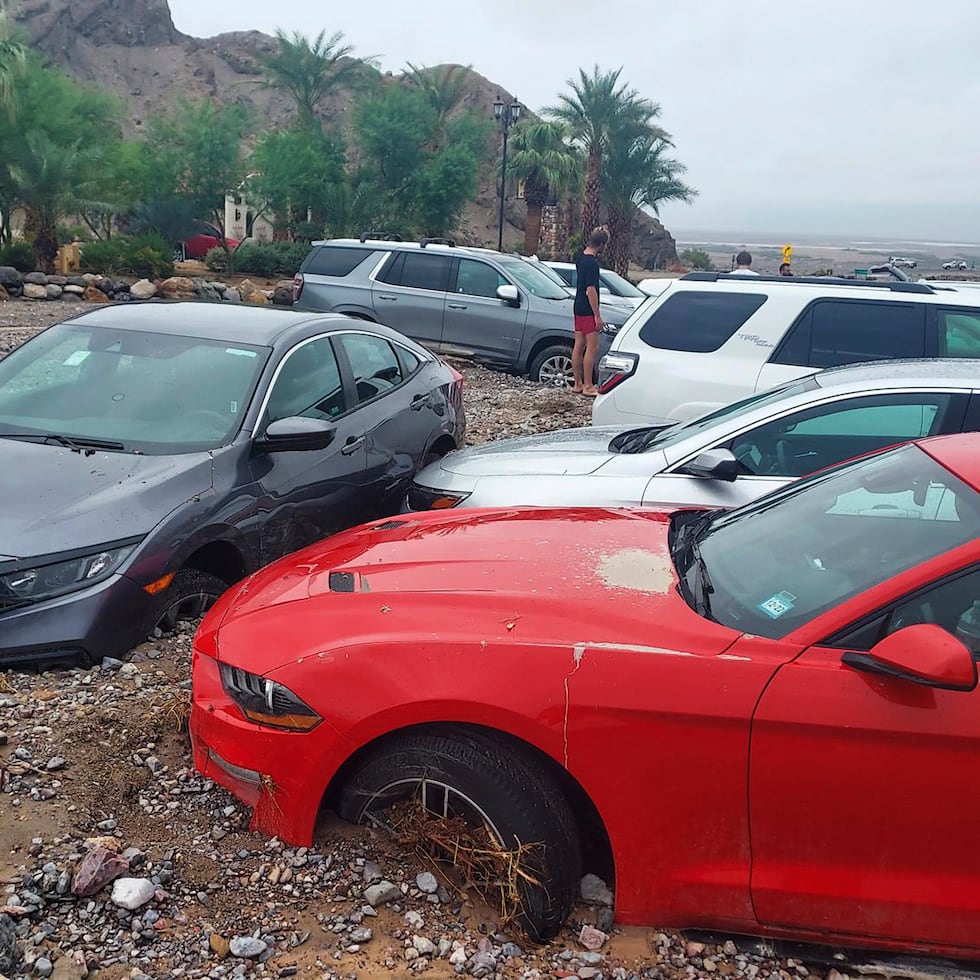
[36, 278]
[232, 295]
[57, 280]
[283, 294]
[72, 290]
[251, 293]
[176, 287]
[4, 295]
[9, 276]
[33, 290]
[77, 281]
[54, 290]
[105, 285]
[144, 289]
[94, 295]
[120, 286]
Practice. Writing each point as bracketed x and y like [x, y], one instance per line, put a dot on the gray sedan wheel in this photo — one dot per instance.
[553, 366]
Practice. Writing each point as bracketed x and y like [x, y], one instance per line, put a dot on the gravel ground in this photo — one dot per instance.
[96, 784]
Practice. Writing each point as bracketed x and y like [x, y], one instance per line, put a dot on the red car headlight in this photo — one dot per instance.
[266, 702]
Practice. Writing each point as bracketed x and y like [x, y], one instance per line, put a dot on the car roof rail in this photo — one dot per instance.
[895, 287]
[451, 242]
[379, 236]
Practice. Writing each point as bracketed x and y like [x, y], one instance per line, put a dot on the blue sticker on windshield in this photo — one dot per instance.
[778, 604]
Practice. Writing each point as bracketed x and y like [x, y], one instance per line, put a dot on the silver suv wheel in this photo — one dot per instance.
[556, 371]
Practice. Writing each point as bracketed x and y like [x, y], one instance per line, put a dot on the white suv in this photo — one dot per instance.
[709, 339]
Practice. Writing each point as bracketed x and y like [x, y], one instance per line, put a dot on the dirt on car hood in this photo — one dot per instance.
[534, 576]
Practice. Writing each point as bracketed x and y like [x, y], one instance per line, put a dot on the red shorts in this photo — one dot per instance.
[585, 324]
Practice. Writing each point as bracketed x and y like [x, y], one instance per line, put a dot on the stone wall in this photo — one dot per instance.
[38, 287]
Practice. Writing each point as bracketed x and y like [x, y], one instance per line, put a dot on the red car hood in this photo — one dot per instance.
[539, 577]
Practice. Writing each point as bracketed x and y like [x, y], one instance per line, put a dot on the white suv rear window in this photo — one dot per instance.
[699, 322]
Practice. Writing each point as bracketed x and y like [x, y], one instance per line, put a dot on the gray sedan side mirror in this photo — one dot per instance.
[296, 434]
[713, 464]
[509, 294]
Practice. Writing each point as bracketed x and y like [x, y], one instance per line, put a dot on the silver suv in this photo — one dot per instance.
[496, 308]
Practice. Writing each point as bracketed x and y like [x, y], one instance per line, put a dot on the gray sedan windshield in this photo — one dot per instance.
[145, 392]
[771, 566]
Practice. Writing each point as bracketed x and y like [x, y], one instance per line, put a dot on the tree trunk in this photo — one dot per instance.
[45, 238]
[620, 240]
[532, 229]
[568, 245]
[590, 201]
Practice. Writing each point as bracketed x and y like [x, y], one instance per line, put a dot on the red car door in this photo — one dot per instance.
[864, 790]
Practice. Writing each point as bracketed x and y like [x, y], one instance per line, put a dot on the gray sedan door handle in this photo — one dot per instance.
[390, 299]
[456, 306]
[351, 446]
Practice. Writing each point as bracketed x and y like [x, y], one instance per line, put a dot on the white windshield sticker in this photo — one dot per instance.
[240, 352]
[778, 604]
[73, 360]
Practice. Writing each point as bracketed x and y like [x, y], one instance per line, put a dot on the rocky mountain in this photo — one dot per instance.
[132, 48]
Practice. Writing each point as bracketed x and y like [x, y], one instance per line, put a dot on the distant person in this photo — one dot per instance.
[588, 319]
[784, 269]
[743, 265]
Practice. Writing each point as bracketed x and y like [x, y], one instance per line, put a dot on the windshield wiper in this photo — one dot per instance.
[702, 582]
[639, 440]
[77, 444]
[686, 552]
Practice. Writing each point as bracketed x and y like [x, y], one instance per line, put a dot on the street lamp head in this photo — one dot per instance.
[515, 111]
[498, 108]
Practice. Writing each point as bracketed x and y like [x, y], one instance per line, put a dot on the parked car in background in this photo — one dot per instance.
[902, 262]
[709, 339]
[955, 264]
[199, 244]
[727, 458]
[498, 309]
[149, 459]
[587, 681]
[613, 287]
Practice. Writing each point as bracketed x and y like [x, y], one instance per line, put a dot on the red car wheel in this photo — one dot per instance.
[459, 772]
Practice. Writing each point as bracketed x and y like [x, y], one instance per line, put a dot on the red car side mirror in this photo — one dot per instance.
[923, 654]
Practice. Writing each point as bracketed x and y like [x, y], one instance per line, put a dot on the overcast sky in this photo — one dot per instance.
[840, 117]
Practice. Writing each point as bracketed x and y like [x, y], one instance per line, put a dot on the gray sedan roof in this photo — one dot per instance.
[957, 372]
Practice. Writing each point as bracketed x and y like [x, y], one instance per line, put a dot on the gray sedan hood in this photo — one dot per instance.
[566, 451]
[56, 500]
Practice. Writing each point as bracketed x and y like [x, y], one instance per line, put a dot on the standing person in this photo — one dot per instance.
[588, 319]
[743, 265]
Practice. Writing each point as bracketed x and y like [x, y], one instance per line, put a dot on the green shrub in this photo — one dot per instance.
[141, 255]
[266, 259]
[696, 258]
[18, 254]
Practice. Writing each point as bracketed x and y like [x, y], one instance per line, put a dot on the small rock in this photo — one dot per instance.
[427, 883]
[423, 946]
[55, 763]
[132, 893]
[591, 938]
[247, 947]
[98, 868]
[414, 920]
[604, 919]
[511, 950]
[381, 893]
[44, 967]
[361, 935]
[595, 891]
[219, 945]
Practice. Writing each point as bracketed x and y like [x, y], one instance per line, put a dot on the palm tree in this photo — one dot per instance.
[50, 182]
[637, 173]
[443, 86]
[309, 70]
[548, 164]
[598, 106]
[13, 59]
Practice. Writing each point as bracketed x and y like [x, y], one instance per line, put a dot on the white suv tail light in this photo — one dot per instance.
[298, 283]
[614, 369]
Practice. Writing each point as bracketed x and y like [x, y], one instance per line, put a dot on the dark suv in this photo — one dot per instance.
[500, 309]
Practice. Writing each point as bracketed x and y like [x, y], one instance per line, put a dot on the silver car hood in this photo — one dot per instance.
[572, 452]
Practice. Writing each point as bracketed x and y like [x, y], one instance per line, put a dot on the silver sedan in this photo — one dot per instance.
[724, 459]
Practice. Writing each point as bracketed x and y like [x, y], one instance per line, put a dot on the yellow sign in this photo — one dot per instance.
[787, 252]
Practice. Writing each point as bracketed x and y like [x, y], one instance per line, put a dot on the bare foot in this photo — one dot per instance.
[576, 390]
[591, 392]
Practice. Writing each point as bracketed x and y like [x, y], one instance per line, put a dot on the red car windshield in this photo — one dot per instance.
[775, 564]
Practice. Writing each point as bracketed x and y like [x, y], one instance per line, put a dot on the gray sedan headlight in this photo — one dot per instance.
[44, 581]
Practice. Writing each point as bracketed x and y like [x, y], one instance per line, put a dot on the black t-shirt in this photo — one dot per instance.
[586, 274]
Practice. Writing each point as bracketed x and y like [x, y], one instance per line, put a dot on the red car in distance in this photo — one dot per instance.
[198, 246]
[763, 721]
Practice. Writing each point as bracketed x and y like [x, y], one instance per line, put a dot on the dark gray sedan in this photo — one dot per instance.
[151, 456]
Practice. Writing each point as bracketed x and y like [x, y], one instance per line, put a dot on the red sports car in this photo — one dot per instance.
[198, 245]
[762, 721]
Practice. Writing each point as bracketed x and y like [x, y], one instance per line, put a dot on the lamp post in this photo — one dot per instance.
[506, 115]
